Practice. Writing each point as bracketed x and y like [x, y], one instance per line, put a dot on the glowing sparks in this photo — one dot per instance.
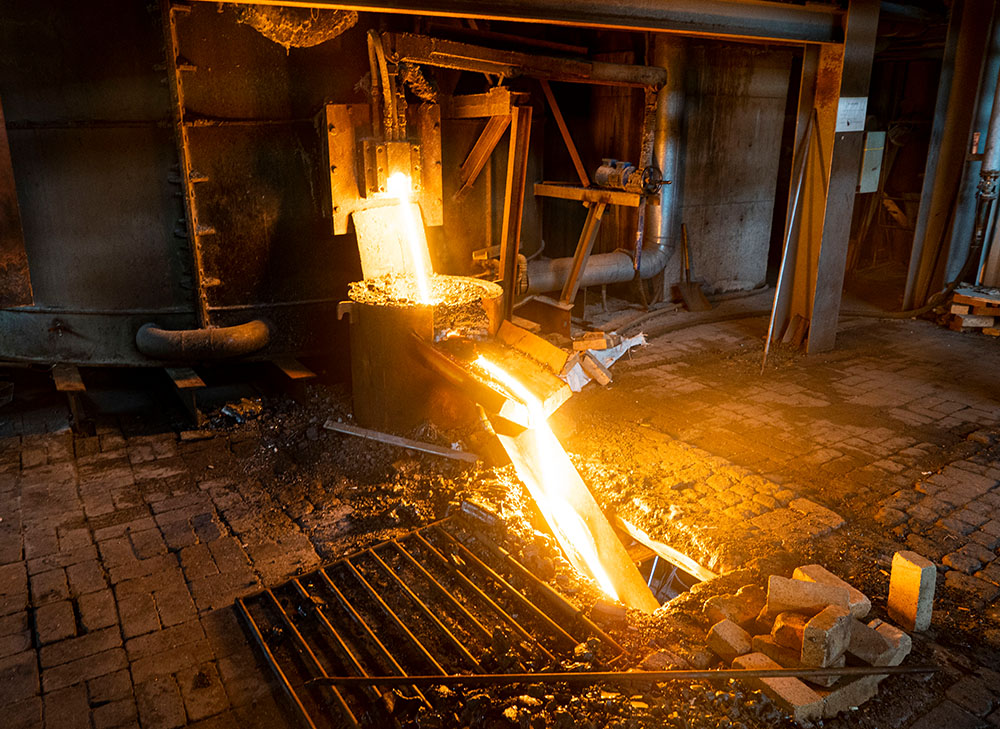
[399, 186]
[547, 479]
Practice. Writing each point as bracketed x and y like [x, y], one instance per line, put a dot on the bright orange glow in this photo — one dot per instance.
[399, 186]
[548, 482]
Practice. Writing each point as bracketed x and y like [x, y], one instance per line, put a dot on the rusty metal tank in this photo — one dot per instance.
[392, 388]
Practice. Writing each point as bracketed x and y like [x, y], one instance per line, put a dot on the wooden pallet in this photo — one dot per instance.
[974, 309]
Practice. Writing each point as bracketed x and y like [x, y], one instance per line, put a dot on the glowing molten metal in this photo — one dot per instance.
[399, 186]
[547, 474]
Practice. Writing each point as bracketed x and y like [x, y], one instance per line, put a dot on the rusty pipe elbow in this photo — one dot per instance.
[211, 343]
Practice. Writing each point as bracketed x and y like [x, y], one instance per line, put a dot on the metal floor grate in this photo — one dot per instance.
[440, 600]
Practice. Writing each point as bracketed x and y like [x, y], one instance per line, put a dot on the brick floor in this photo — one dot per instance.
[121, 554]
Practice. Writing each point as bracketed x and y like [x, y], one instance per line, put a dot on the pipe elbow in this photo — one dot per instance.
[202, 344]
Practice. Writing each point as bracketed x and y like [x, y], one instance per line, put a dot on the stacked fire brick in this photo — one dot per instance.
[815, 620]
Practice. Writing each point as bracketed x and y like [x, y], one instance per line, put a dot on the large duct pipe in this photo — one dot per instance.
[659, 243]
[202, 344]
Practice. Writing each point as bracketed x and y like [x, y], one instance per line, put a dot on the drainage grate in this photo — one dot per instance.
[440, 600]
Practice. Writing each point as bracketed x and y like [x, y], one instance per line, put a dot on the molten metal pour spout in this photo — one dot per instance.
[583, 532]
[398, 186]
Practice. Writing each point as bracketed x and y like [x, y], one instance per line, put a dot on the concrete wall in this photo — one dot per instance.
[736, 97]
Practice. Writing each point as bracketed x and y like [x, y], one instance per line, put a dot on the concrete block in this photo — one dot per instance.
[857, 602]
[826, 636]
[911, 590]
[802, 702]
[728, 640]
[868, 645]
[788, 629]
[789, 658]
[798, 596]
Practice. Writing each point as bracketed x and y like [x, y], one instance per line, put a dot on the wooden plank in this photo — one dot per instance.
[959, 309]
[67, 378]
[665, 551]
[595, 369]
[184, 378]
[991, 332]
[976, 297]
[531, 326]
[581, 172]
[400, 442]
[982, 311]
[582, 254]
[513, 204]
[495, 102]
[588, 194]
[480, 153]
[533, 345]
[293, 369]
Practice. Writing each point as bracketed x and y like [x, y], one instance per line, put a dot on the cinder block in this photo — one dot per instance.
[788, 629]
[797, 596]
[911, 590]
[728, 640]
[804, 704]
[857, 602]
[789, 658]
[826, 636]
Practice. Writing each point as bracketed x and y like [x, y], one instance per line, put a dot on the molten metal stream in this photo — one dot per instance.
[398, 185]
[549, 491]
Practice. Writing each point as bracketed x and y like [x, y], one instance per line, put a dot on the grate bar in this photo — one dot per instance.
[368, 631]
[459, 645]
[492, 603]
[306, 650]
[534, 609]
[395, 618]
[286, 685]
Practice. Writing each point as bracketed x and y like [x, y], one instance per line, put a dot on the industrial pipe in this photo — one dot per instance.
[202, 344]
[659, 243]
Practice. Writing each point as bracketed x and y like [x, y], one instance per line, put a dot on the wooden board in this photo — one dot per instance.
[978, 296]
[533, 345]
[184, 378]
[293, 369]
[67, 378]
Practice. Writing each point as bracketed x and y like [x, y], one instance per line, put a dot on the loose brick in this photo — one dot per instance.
[911, 590]
[789, 658]
[857, 602]
[869, 645]
[55, 621]
[826, 636]
[900, 641]
[797, 596]
[804, 704]
[728, 640]
[853, 692]
[788, 629]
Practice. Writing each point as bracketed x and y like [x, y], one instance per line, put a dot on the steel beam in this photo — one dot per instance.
[769, 21]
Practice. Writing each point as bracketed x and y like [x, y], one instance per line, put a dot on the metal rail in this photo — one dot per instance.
[629, 677]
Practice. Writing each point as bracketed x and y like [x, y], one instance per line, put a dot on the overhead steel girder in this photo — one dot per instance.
[765, 21]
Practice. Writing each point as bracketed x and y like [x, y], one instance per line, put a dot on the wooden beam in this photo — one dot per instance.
[68, 381]
[498, 101]
[583, 249]
[513, 204]
[588, 194]
[581, 172]
[187, 383]
[481, 152]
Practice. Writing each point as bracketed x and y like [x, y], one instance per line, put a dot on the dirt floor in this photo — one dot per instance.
[890, 442]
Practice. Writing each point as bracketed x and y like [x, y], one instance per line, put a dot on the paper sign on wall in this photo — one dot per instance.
[851, 113]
